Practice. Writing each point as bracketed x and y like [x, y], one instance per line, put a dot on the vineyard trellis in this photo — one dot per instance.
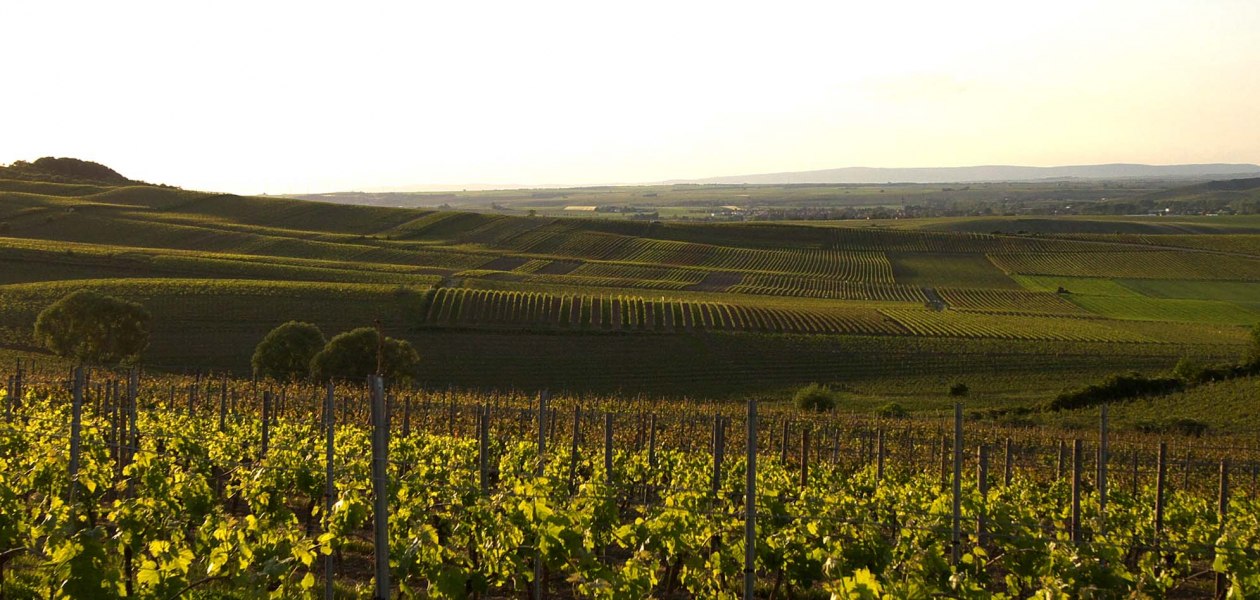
[789, 497]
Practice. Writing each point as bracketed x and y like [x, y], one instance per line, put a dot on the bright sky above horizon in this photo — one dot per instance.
[305, 96]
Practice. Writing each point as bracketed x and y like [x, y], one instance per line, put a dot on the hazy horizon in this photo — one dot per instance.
[289, 97]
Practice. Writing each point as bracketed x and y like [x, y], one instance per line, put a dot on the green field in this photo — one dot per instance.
[891, 311]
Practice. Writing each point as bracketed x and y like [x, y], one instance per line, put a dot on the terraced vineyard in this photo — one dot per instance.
[471, 307]
[1022, 327]
[1138, 264]
[1162, 309]
[811, 287]
[684, 277]
[1010, 301]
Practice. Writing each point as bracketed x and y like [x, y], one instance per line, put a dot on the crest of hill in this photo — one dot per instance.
[65, 170]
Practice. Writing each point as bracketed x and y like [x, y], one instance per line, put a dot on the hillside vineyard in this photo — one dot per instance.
[980, 407]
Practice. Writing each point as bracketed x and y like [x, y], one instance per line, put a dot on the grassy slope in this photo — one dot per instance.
[195, 257]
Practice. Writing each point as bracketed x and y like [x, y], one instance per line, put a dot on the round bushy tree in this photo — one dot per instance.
[815, 397]
[353, 356]
[94, 328]
[286, 352]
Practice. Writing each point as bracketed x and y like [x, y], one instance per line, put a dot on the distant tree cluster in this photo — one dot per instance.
[97, 329]
[296, 350]
[64, 170]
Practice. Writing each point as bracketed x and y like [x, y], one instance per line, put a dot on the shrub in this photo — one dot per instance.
[1180, 426]
[1116, 387]
[815, 397]
[1189, 370]
[1194, 373]
[959, 389]
[892, 410]
[1251, 358]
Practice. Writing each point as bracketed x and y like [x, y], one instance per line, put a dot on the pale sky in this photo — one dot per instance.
[281, 97]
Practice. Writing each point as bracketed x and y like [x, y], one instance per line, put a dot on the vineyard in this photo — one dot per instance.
[1010, 301]
[1022, 326]
[786, 285]
[463, 283]
[1152, 265]
[117, 485]
[468, 307]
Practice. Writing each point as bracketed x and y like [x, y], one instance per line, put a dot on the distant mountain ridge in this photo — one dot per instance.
[860, 175]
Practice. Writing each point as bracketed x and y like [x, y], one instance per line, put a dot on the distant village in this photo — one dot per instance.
[910, 211]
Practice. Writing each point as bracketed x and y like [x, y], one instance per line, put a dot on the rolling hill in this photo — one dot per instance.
[695, 309]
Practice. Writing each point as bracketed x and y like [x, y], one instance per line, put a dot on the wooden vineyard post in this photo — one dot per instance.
[1103, 456]
[639, 435]
[982, 485]
[865, 444]
[573, 448]
[483, 449]
[330, 485]
[719, 453]
[804, 458]
[542, 448]
[266, 422]
[1161, 474]
[192, 399]
[835, 445]
[783, 443]
[76, 417]
[1077, 450]
[223, 401]
[17, 385]
[750, 504]
[380, 487]
[1006, 463]
[407, 416]
[114, 411]
[133, 439]
[652, 440]
[1133, 457]
[542, 432]
[1222, 510]
[879, 454]
[955, 540]
[608, 448]
[1058, 473]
